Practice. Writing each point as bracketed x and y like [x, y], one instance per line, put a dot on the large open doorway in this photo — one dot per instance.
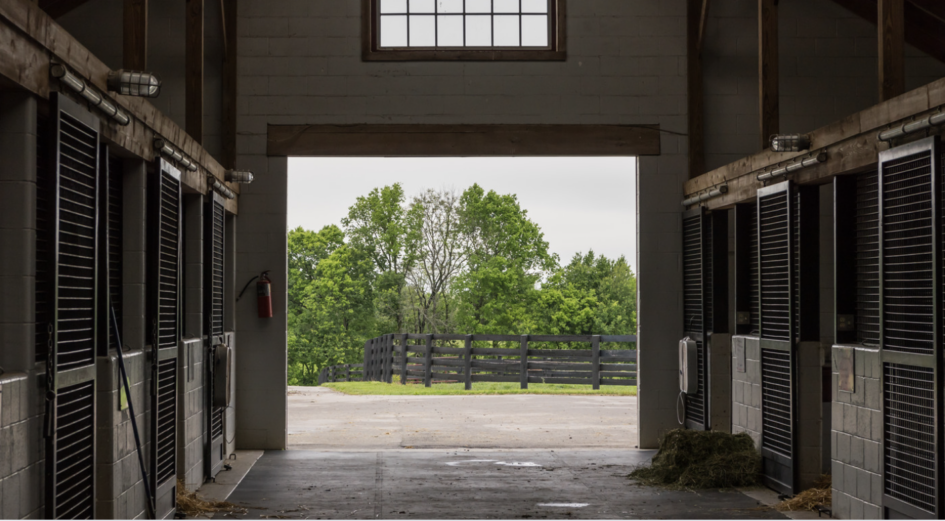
[460, 246]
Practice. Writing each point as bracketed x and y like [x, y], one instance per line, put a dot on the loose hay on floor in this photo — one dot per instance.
[191, 505]
[702, 459]
[811, 498]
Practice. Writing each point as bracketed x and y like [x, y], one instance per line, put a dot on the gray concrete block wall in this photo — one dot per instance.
[120, 492]
[22, 447]
[192, 429]
[827, 66]
[856, 438]
[746, 388]
[720, 371]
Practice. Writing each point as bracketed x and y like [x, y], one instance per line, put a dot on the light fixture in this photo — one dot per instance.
[715, 192]
[220, 187]
[790, 143]
[794, 167]
[927, 122]
[133, 83]
[165, 149]
[95, 98]
[239, 176]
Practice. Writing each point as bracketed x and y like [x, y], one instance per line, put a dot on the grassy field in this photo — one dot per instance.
[378, 388]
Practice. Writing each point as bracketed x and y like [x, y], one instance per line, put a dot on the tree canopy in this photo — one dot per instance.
[441, 262]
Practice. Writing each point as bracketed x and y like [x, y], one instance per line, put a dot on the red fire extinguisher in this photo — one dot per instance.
[264, 295]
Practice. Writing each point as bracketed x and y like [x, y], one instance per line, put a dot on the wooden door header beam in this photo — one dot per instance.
[851, 145]
[57, 8]
[463, 140]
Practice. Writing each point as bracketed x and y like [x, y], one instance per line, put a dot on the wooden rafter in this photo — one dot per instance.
[924, 22]
[135, 35]
[892, 49]
[768, 73]
[229, 83]
[696, 100]
[57, 8]
[194, 70]
[703, 20]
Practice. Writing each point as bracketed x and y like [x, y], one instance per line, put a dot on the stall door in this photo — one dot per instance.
[71, 245]
[213, 238]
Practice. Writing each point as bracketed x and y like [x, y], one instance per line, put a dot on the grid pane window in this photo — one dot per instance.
[445, 24]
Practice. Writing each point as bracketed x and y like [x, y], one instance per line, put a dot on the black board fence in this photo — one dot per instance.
[341, 373]
[439, 358]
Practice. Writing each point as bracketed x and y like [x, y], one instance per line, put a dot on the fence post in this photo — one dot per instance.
[367, 360]
[467, 363]
[595, 361]
[347, 372]
[389, 360]
[403, 368]
[428, 362]
[524, 361]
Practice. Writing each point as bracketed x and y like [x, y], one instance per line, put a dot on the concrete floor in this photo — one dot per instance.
[472, 484]
[323, 419]
[475, 457]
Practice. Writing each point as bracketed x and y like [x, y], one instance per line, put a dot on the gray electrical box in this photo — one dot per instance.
[688, 366]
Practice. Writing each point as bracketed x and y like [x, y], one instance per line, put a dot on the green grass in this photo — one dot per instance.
[383, 389]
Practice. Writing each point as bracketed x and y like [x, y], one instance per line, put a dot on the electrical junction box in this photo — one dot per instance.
[688, 366]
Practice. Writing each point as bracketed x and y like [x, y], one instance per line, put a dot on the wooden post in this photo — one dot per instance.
[892, 68]
[524, 361]
[193, 76]
[595, 362]
[135, 35]
[229, 83]
[428, 362]
[467, 362]
[696, 9]
[390, 359]
[403, 369]
[768, 73]
[347, 372]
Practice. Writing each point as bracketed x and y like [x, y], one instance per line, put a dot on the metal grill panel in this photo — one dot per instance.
[796, 264]
[908, 308]
[166, 420]
[216, 423]
[693, 297]
[168, 262]
[909, 427]
[754, 273]
[216, 260]
[75, 452]
[115, 244]
[867, 259]
[777, 410]
[774, 266]
[695, 403]
[43, 202]
[78, 160]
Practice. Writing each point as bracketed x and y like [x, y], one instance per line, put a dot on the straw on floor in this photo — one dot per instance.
[191, 505]
[820, 495]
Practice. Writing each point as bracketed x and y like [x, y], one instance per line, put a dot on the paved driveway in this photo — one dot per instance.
[323, 419]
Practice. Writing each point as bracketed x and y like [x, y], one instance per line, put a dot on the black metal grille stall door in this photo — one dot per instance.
[72, 248]
[164, 315]
[775, 256]
[856, 239]
[910, 241]
[747, 284]
[214, 240]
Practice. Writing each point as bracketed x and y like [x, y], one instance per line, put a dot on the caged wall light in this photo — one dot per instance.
[133, 83]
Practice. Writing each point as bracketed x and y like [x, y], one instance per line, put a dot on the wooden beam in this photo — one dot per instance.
[892, 49]
[463, 140]
[135, 35]
[696, 109]
[851, 144]
[193, 76]
[703, 20]
[57, 8]
[768, 73]
[925, 22]
[229, 83]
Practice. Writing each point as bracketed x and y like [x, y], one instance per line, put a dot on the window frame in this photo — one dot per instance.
[371, 51]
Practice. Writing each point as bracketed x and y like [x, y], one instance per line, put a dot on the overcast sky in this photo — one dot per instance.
[579, 203]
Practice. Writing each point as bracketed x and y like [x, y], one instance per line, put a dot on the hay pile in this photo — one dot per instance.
[702, 459]
[809, 499]
[189, 504]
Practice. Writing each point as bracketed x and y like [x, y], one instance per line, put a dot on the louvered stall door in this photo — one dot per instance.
[867, 260]
[113, 218]
[214, 240]
[696, 271]
[164, 314]
[45, 191]
[910, 197]
[775, 254]
[747, 318]
[71, 243]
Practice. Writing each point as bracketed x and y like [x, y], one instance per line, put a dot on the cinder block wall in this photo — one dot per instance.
[827, 65]
[22, 447]
[746, 387]
[856, 438]
[191, 429]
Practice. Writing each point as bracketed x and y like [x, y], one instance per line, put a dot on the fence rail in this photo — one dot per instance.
[341, 373]
[392, 357]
